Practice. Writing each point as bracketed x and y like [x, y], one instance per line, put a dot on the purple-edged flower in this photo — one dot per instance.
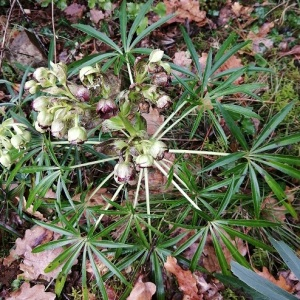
[44, 119]
[124, 172]
[106, 108]
[77, 135]
[40, 103]
[158, 150]
[144, 161]
[58, 128]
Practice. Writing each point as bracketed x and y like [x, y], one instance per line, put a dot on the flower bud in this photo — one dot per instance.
[58, 128]
[158, 149]
[38, 128]
[44, 77]
[77, 135]
[106, 108]
[163, 102]
[6, 143]
[156, 56]
[59, 70]
[17, 141]
[124, 172]
[5, 160]
[86, 74]
[144, 161]
[83, 94]
[32, 86]
[44, 119]
[26, 136]
[40, 103]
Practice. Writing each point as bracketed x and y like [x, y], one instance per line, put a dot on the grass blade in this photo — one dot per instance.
[256, 197]
[123, 24]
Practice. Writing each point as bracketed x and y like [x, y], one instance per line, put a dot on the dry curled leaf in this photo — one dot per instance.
[37, 292]
[153, 120]
[186, 281]
[281, 281]
[294, 51]
[142, 290]
[186, 10]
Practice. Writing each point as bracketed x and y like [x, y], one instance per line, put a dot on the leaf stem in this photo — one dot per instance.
[184, 151]
[183, 193]
[148, 201]
[138, 188]
[94, 162]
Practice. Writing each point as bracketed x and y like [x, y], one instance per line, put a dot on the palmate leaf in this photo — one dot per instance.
[271, 126]
[287, 159]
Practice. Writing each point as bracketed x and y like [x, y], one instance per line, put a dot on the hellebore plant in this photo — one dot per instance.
[72, 125]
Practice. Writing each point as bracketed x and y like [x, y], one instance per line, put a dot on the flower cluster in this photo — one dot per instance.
[63, 104]
[12, 136]
[137, 154]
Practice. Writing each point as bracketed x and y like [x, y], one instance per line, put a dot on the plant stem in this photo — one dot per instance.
[94, 162]
[108, 205]
[138, 188]
[171, 116]
[129, 72]
[184, 194]
[183, 151]
[148, 201]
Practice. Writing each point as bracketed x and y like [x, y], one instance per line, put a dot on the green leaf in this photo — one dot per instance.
[192, 50]
[245, 237]
[288, 255]
[158, 276]
[222, 161]
[233, 249]
[42, 187]
[143, 10]
[259, 283]
[54, 244]
[242, 111]
[228, 196]
[98, 35]
[148, 30]
[284, 168]
[287, 159]
[61, 279]
[255, 190]
[123, 24]
[271, 126]
[57, 229]
[99, 279]
[219, 253]
[247, 223]
[234, 129]
[74, 68]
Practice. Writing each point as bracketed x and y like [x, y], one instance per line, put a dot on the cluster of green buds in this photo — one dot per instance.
[137, 154]
[12, 136]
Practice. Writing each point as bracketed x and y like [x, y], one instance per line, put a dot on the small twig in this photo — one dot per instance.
[5, 33]
[53, 29]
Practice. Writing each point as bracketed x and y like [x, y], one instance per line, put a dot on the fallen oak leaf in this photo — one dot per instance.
[280, 282]
[37, 292]
[142, 290]
[186, 281]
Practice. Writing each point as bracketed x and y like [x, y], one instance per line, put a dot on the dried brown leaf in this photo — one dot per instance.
[153, 120]
[186, 10]
[96, 15]
[142, 290]
[75, 10]
[186, 281]
[281, 281]
[272, 211]
[294, 51]
[37, 292]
